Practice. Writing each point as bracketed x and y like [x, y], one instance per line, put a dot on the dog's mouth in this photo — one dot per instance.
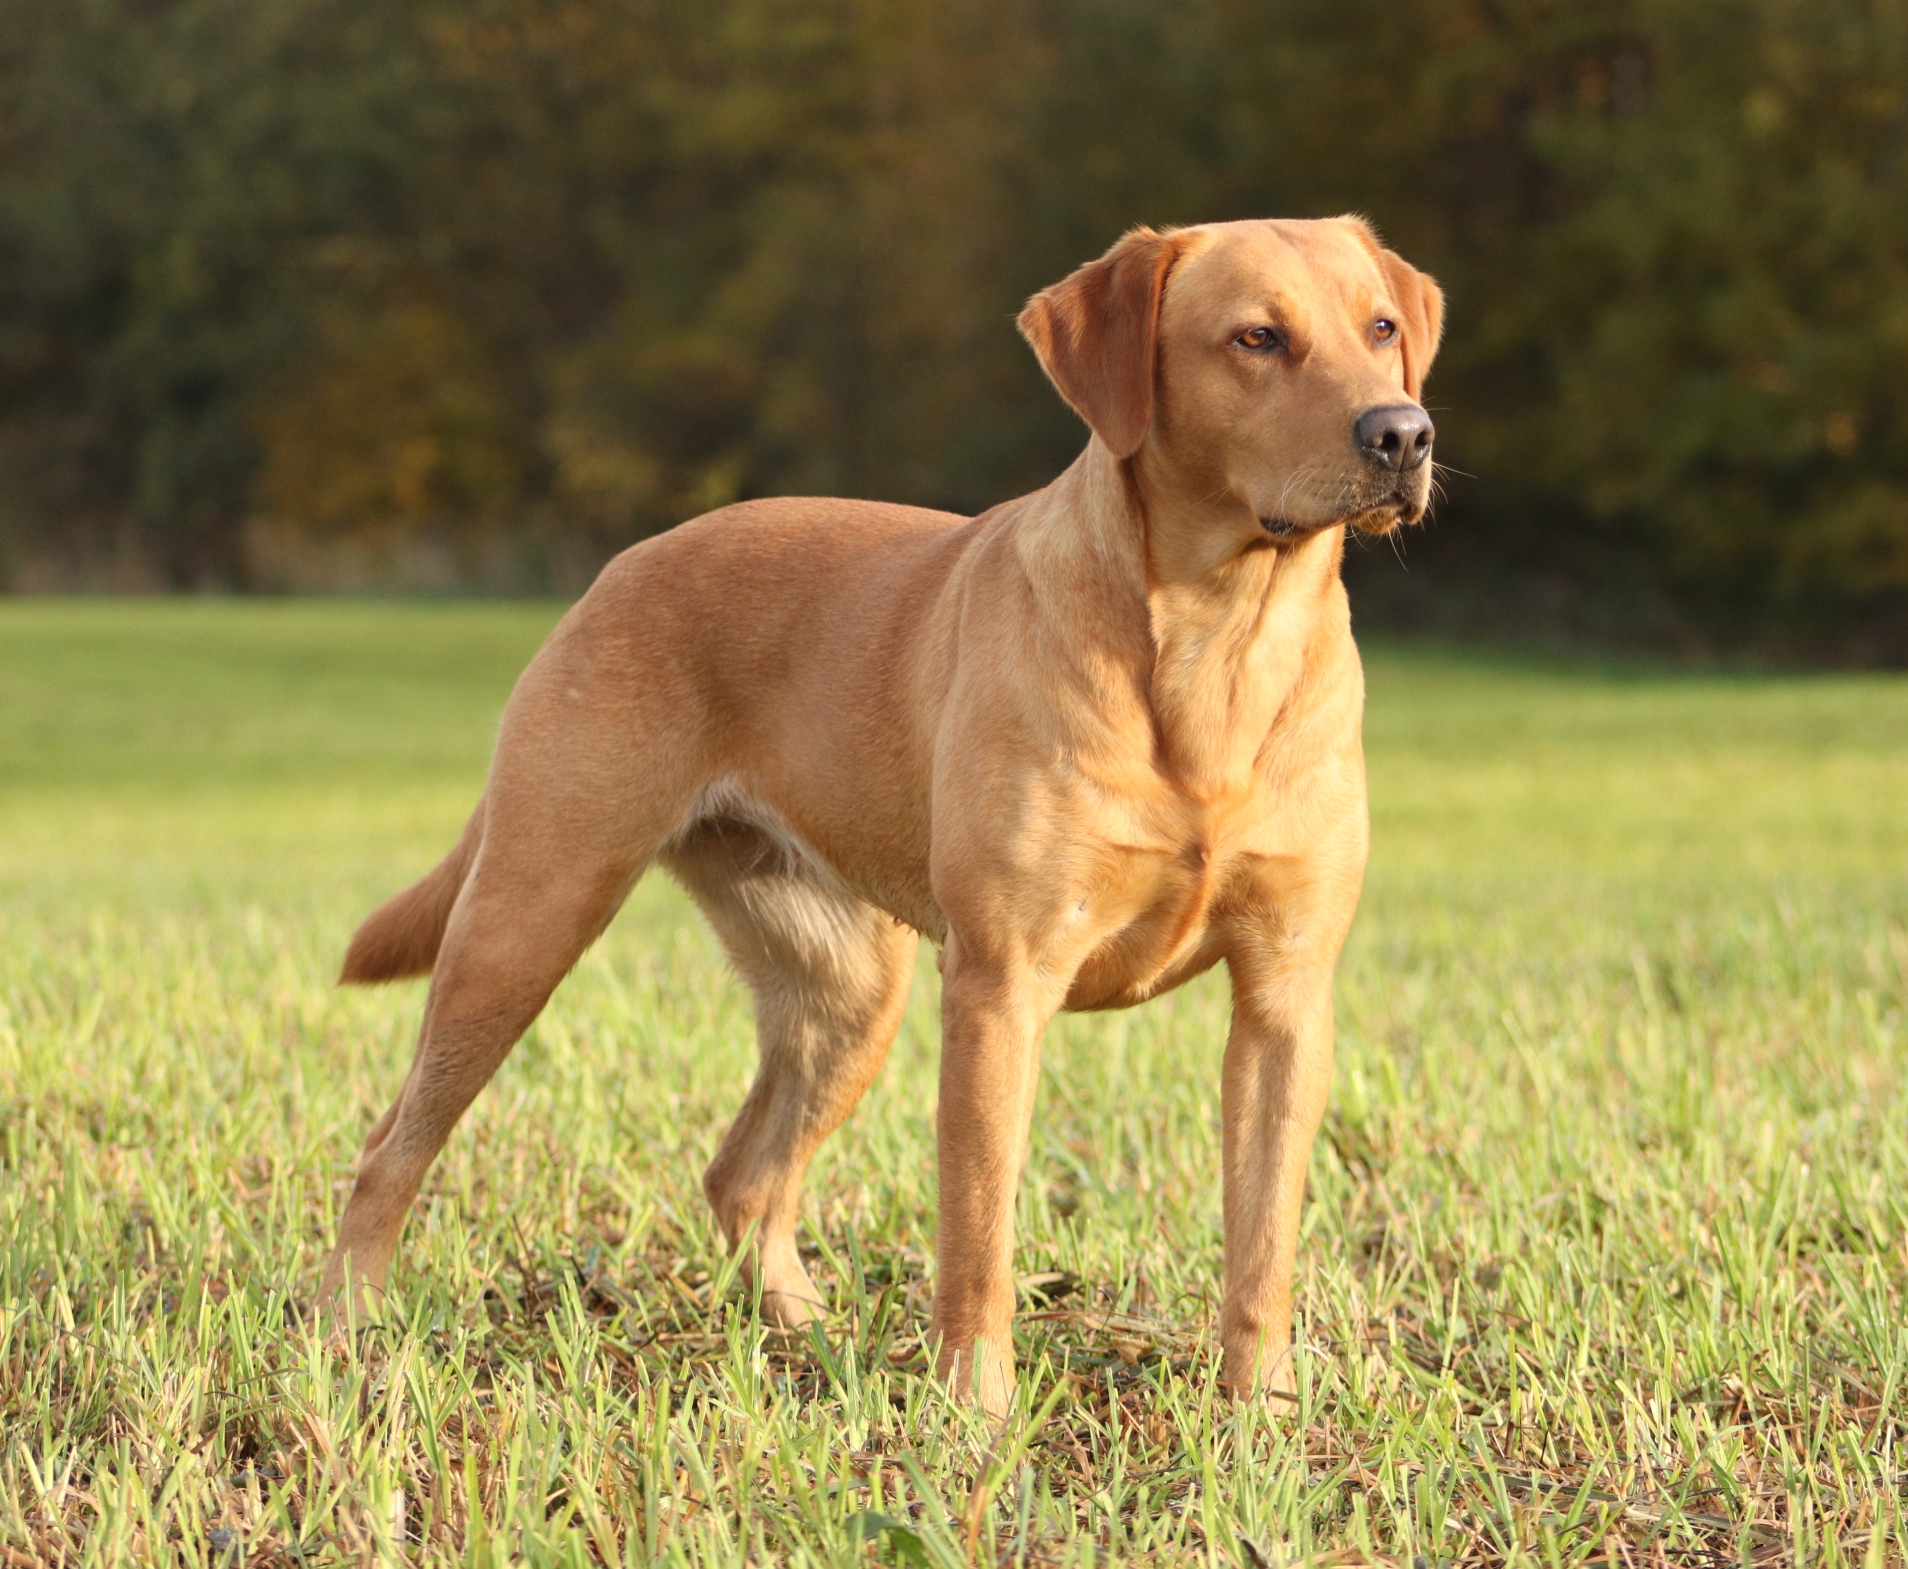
[1393, 515]
[1387, 516]
[1283, 529]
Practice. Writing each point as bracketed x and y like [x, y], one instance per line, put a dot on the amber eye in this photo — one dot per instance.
[1260, 338]
[1384, 329]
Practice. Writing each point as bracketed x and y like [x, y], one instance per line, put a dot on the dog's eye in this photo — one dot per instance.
[1260, 338]
[1384, 329]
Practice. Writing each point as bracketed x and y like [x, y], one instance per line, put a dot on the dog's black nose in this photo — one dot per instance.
[1398, 435]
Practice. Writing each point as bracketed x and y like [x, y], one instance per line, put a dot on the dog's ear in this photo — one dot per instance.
[1096, 333]
[1421, 307]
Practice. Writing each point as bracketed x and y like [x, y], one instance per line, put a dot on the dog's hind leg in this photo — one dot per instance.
[830, 976]
[568, 827]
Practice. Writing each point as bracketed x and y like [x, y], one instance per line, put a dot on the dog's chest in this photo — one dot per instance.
[1152, 904]
[1163, 869]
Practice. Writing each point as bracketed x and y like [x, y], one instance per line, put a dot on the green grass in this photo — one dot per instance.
[1604, 1260]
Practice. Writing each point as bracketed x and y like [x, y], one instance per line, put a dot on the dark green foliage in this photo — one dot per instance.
[290, 283]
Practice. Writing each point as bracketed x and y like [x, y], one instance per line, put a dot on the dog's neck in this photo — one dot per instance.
[1210, 628]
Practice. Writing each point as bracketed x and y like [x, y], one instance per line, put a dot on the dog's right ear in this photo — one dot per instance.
[1096, 333]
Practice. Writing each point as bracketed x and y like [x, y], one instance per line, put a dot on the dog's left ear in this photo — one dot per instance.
[1096, 333]
[1421, 304]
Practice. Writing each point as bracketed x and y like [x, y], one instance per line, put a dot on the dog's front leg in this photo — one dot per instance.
[992, 1015]
[1278, 1072]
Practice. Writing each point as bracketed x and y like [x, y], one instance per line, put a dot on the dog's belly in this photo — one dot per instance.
[885, 883]
[1155, 907]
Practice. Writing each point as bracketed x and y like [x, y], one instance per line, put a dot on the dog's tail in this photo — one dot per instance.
[401, 936]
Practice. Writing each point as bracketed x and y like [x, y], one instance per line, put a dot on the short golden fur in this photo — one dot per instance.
[1091, 743]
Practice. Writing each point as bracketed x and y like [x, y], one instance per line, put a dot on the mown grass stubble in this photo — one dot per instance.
[1604, 1259]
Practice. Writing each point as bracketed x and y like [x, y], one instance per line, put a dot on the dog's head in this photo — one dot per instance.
[1272, 367]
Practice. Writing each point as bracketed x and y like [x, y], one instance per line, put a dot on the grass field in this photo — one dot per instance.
[1605, 1257]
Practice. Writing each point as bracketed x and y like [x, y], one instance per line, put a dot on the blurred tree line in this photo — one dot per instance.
[309, 292]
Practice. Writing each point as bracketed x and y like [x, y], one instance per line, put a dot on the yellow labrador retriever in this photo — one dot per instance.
[1090, 743]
